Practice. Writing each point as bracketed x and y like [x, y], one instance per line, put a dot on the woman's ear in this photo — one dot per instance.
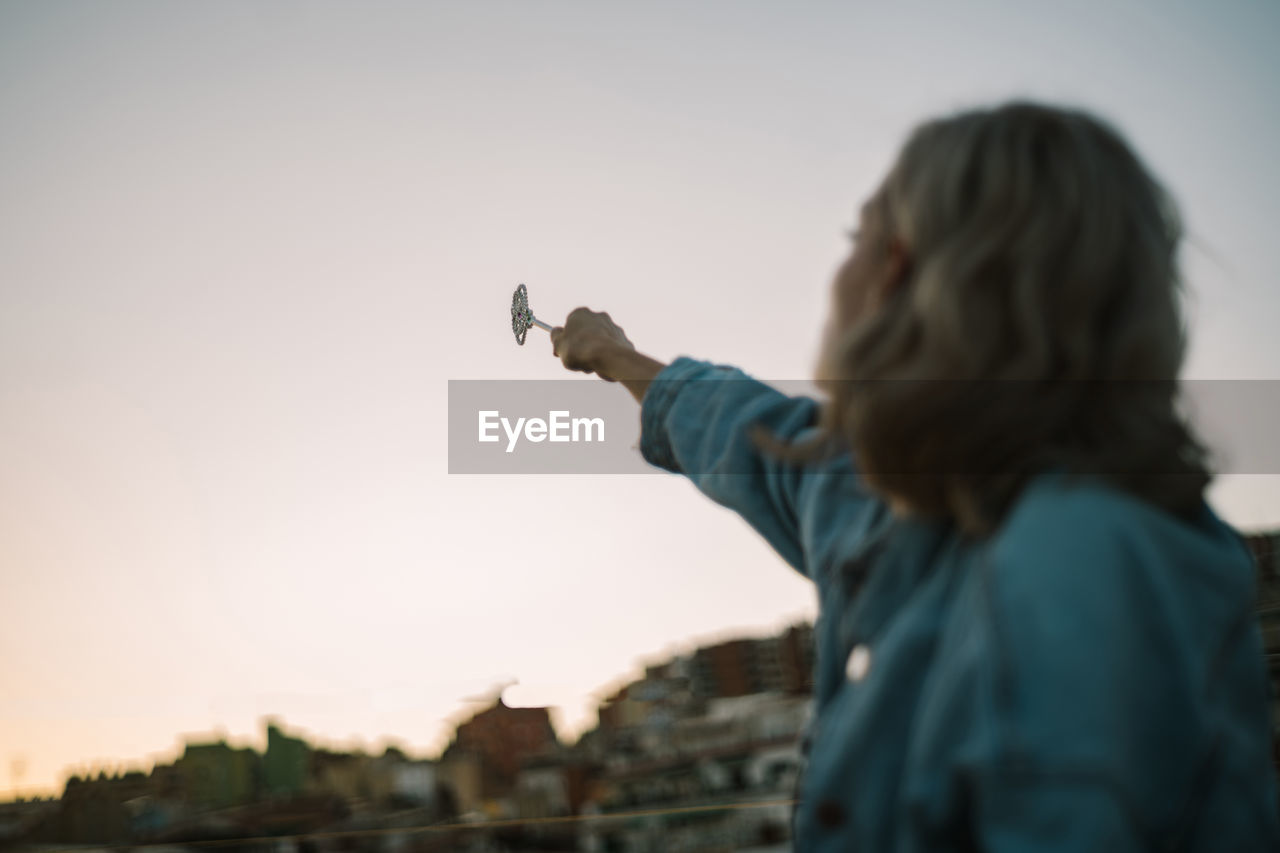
[895, 271]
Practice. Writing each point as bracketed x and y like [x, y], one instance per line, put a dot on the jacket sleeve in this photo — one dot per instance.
[700, 420]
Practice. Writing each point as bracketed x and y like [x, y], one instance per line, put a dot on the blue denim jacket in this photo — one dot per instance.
[1088, 678]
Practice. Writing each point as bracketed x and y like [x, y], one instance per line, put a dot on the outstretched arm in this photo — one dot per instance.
[703, 421]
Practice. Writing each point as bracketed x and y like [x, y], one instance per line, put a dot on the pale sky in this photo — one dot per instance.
[243, 247]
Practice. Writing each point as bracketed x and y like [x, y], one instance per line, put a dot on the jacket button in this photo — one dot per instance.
[830, 814]
[859, 663]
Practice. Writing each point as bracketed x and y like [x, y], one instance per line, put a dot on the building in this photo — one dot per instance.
[796, 659]
[744, 666]
[91, 811]
[637, 718]
[542, 787]
[344, 774]
[217, 775]
[20, 818]
[459, 779]
[502, 738]
[742, 750]
[285, 763]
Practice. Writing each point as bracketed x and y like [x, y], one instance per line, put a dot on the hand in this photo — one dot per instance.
[590, 342]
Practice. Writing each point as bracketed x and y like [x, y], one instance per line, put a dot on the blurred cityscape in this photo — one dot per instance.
[702, 753]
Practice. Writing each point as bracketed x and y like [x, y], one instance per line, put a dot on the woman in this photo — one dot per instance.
[1034, 634]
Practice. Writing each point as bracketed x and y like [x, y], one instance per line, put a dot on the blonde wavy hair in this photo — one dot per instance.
[1038, 327]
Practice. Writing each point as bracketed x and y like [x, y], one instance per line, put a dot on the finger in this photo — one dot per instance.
[573, 360]
[556, 334]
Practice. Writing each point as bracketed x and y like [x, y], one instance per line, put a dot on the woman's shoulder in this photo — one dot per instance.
[1117, 630]
[1084, 535]
[1088, 586]
[1085, 584]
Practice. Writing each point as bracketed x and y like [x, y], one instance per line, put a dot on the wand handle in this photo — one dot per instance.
[536, 322]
